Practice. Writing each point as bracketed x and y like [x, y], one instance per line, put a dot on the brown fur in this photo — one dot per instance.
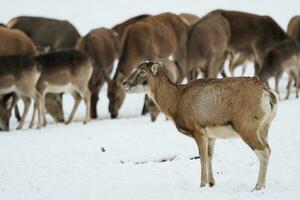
[48, 35]
[174, 75]
[207, 45]
[246, 105]
[121, 28]
[53, 104]
[283, 57]
[66, 71]
[246, 32]
[46, 32]
[238, 58]
[14, 42]
[255, 32]
[102, 46]
[293, 29]
[192, 19]
[155, 37]
[19, 74]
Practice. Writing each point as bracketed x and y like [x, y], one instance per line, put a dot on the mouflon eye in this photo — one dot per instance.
[142, 73]
[145, 82]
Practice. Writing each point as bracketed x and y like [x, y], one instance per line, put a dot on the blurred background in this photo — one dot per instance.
[89, 14]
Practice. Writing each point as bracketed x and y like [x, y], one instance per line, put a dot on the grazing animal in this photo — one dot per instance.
[254, 32]
[239, 58]
[241, 31]
[217, 108]
[283, 57]
[19, 74]
[48, 35]
[103, 47]
[206, 46]
[192, 19]
[155, 37]
[66, 71]
[293, 29]
[15, 42]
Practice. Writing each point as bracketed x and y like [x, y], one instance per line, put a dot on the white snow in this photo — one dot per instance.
[62, 162]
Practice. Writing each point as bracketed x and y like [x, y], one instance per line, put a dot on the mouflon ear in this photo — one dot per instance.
[155, 68]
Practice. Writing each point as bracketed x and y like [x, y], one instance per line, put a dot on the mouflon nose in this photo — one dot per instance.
[113, 116]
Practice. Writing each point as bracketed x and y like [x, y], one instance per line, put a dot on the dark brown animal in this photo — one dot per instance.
[19, 74]
[283, 57]
[159, 36]
[246, 32]
[48, 35]
[207, 44]
[241, 107]
[102, 46]
[254, 32]
[293, 29]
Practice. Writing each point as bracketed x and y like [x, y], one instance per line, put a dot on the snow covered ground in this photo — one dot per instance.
[120, 159]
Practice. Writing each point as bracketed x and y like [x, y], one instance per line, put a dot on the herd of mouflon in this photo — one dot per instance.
[42, 58]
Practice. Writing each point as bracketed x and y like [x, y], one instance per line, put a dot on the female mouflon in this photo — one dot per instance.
[217, 108]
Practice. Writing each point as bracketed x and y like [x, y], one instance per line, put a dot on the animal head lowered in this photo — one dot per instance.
[115, 94]
[143, 77]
